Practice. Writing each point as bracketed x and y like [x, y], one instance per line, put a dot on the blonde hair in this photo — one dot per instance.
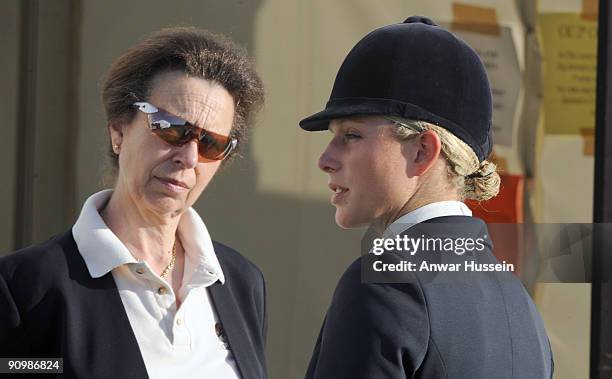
[473, 180]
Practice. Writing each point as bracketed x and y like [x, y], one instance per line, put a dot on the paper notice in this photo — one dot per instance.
[569, 54]
[499, 57]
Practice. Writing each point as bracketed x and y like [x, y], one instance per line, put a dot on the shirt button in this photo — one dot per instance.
[162, 290]
[139, 271]
[178, 321]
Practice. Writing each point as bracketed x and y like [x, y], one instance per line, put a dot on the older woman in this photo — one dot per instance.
[137, 287]
[410, 117]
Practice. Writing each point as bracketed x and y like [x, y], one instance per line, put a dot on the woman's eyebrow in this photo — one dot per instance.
[333, 128]
[357, 120]
[343, 125]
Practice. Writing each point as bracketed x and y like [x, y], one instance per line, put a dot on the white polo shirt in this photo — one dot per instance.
[173, 344]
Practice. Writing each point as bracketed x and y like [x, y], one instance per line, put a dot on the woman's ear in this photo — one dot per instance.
[115, 130]
[428, 147]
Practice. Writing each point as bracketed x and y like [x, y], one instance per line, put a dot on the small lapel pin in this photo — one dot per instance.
[221, 334]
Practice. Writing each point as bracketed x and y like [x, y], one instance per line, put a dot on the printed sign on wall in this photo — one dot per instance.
[569, 55]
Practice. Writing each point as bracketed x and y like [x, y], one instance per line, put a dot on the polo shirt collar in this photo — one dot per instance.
[102, 250]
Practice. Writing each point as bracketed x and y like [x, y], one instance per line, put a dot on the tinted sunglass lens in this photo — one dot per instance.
[164, 120]
[170, 128]
[176, 131]
[213, 146]
[176, 134]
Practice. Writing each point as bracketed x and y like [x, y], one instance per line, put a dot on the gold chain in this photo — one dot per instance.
[171, 264]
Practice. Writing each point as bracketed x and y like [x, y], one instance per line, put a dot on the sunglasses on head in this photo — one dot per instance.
[177, 132]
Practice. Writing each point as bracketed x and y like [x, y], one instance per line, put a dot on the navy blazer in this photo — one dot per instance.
[473, 325]
[51, 307]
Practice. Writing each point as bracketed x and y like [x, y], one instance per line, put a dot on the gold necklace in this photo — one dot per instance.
[171, 264]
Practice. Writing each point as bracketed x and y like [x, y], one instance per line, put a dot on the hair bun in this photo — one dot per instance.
[486, 169]
[484, 183]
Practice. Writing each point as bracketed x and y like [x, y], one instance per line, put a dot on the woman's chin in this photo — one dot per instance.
[164, 204]
[347, 221]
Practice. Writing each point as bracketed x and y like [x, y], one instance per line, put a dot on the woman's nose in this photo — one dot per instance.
[187, 155]
[328, 161]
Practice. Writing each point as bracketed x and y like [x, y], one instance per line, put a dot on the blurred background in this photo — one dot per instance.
[273, 205]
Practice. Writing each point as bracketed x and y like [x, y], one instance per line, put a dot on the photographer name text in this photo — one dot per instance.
[467, 266]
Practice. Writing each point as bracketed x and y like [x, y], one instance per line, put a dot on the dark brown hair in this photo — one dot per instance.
[197, 53]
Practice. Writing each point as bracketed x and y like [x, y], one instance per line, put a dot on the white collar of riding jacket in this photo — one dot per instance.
[427, 212]
[103, 251]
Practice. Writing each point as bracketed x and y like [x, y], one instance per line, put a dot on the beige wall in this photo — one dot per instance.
[273, 206]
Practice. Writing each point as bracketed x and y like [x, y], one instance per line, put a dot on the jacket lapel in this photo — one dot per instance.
[99, 303]
[118, 322]
[235, 329]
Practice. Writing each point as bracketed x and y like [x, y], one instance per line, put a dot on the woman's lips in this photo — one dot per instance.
[339, 193]
[173, 185]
